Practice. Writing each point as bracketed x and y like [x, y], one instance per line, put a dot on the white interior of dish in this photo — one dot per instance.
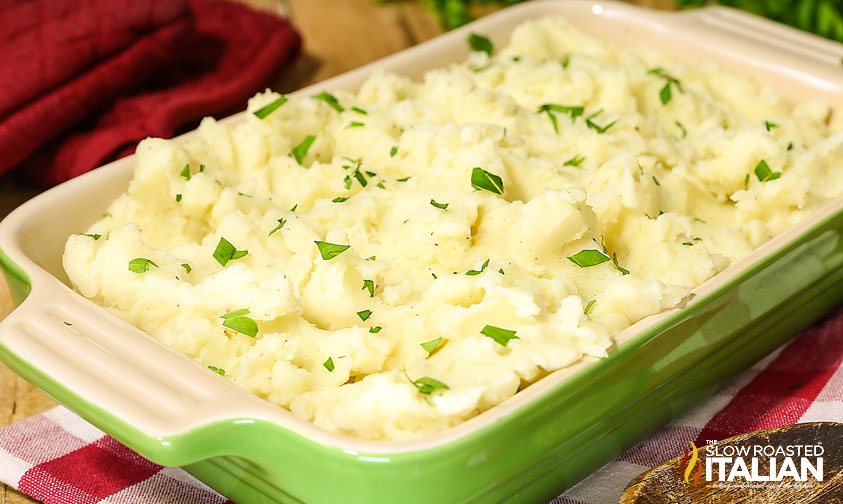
[124, 371]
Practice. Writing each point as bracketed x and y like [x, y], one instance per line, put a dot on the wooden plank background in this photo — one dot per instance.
[339, 35]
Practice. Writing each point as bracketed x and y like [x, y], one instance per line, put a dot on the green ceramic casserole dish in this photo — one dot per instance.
[528, 449]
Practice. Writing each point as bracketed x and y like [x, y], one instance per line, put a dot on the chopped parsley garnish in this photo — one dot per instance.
[480, 43]
[359, 110]
[746, 181]
[281, 223]
[770, 125]
[178, 197]
[340, 199]
[656, 181]
[244, 194]
[347, 182]
[364, 314]
[623, 271]
[434, 276]
[477, 272]
[227, 252]
[588, 307]
[403, 179]
[94, 236]
[698, 239]
[426, 384]
[380, 184]
[201, 168]
[329, 364]
[293, 209]
[371, 173]
[697, 219]
[354, 124]
[330, 100]
[186, 171]
[371, 258]
[68, 324]
[481, 179]
[217, 370]
[665, 94]
[431, 345]
[574, 161]
[764, 173]
[688, 244]
[443, 206]
[588, 258]
[501, 271]
[270, 108]
[393, 151]
[682, 127]
[186, 267]
[300, 150]
[501, 336]
[596, 127]
[329, 251]
[238, 321]
[375, 330]
[566, 61]
[790, 146]
[140, 265]
[370, 286]
[551, 109]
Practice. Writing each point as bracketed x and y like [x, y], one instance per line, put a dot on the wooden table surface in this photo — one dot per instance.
[339, 35]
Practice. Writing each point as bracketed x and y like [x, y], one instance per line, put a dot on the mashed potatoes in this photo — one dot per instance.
[389, 263]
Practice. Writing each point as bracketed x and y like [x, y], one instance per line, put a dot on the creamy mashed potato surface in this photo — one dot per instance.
[409, 330]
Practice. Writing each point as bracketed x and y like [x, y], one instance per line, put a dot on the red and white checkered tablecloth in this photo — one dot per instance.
[58, 458]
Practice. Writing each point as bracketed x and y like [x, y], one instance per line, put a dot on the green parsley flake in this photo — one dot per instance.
[746, 181]
[94, 236]
[140, 265]
[551, 109]
[217, 370]
[270, 108]
[300, 150]
[186, 267]
[186, 171]
[501, 271]
[566, 61]
[329, 251]
[281, 223]
[481, 179]
[596, 127]
[480, 43]
[764, 173]
[293, 209]
[347, 182]
[329, 365]
[364, 314]
[354, 124]
[201, 168]
[340, 199]
[370, 286]
[227, 252]
[665, 94]
[588, 307]
[426, 384]
[403, 179]
[371, 173]
[430, 346]
[178, 197]
[380, 184]
[574, 161]
[237, 321]
[329, 99]
[770, 125]
[623, 271]
[477, 272]
[393, 151]
[688, 244]
[682, 127]
[588, 258]
[68, 324]
[656, 181]
[359, 110]
[443, 206]
[501, 336]
[375, 330]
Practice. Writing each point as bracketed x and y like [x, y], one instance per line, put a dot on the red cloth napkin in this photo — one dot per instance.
[82, 81]
[60, 459]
